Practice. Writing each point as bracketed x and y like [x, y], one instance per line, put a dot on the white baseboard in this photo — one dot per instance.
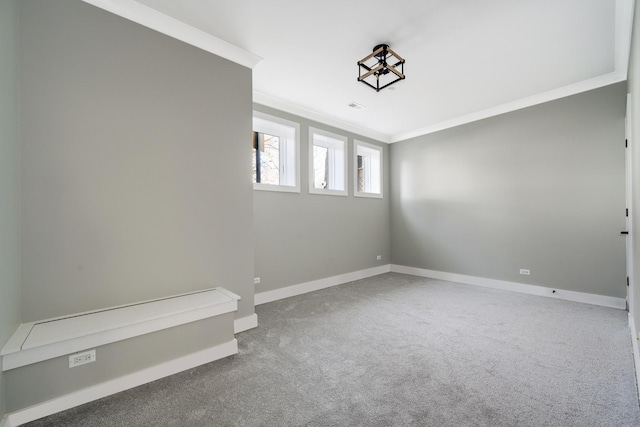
[123, 383]
[635, 345]
[4, 422]
[315, 285]
[245, 323]
[583, 297]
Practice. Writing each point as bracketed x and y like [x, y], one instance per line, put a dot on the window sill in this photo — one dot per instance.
[277, 188]
[316, 191]
[368, 195]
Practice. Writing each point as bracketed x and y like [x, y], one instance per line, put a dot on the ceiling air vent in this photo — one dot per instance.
[356, 106]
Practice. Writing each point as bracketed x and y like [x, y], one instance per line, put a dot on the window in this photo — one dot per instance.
[368, 170]
[327, 163]
[275, 154]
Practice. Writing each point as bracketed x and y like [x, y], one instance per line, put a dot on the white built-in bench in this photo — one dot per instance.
[41, 341]
[37, 341]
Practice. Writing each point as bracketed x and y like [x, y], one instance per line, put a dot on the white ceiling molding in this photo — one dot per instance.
[151, 18]
[279, 104]
[624, 26]
[623, 29]
[529, 101]
[615, 70]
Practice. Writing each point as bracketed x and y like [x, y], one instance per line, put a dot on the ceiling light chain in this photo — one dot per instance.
[379, 69]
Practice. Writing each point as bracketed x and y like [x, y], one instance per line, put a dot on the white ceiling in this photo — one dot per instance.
[465, 59]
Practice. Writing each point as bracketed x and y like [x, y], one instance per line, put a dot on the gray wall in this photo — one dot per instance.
[9, 180]
[135, 180]
[541, 188]
[303, 237]
[634, 121]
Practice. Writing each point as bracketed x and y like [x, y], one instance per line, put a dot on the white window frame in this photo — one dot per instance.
[337, 146]
[368, 148]
[289, 134]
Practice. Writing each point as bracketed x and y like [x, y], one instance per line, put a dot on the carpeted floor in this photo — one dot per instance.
[399, 350]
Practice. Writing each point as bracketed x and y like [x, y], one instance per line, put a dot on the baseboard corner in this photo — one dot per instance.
[316, 285]
[245, 323]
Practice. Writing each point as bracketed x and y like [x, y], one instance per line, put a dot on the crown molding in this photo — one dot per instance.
[623, 33]
[530, 101]
[288, 107]
[151, 18]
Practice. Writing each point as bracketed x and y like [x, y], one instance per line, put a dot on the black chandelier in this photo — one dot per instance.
[379, 69]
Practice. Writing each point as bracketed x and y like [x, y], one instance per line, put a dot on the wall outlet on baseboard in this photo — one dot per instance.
[379, 257]
[525, 272]
[256, 280]
[82, 358]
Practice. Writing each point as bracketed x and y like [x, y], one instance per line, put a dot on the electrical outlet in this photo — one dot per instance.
[82, 358]
[379, 257]
[525, 272]
[256, 280]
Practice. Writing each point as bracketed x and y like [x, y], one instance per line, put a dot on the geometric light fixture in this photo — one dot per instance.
[381, 68]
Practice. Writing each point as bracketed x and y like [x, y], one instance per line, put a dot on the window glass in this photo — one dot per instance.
[327, 163]
[320, 166]
[368, 170]
[266, 158]
[275, 154]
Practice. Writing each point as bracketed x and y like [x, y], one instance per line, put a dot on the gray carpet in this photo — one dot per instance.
[398, 350]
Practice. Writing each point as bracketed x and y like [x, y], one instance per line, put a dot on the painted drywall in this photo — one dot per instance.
[634, 123]
[135, 181]
[37, 383]
[539, 189]
[300, 237]
[9, 180]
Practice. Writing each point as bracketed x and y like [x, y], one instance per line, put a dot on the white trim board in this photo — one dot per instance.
[155, 20]
[151, 18]
[519, 104]
[497, 110]
[288, 107]
[126, 382]
[504, 285]
[315, 285]
[4, 422]
[623, 33]
[245, 323]
[635, 346]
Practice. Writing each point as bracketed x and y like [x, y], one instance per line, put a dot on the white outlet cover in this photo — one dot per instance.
[82, 358]
[525, 272]
[256, 280]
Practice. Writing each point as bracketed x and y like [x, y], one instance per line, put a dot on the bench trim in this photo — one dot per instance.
[15, 355]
